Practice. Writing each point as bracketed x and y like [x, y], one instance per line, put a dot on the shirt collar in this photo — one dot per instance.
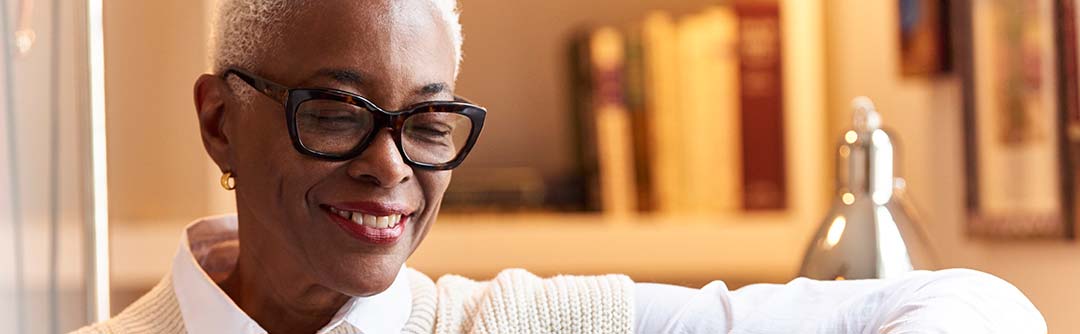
[207, 253]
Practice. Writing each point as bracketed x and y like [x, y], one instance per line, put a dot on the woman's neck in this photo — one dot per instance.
[269, 287]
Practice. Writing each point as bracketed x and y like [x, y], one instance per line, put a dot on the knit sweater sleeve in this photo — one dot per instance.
[517, 301]
[155, 312]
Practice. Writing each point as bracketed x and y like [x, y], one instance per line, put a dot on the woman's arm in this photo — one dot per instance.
[946, 301]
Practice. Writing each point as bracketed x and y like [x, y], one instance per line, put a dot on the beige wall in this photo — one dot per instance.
[160, 178]
[926, 114]
[158, 170]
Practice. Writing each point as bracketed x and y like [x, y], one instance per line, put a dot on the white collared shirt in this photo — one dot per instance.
[208, 248]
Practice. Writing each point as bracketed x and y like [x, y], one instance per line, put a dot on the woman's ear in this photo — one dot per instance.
[210, 94]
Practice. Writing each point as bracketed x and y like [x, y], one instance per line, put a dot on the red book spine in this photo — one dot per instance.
[762, 107]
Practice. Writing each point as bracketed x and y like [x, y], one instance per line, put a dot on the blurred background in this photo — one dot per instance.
[674, 141]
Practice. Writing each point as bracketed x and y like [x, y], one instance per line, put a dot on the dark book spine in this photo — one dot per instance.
[1069, 89]
[581, 92]
[634, 88]
[762, 107]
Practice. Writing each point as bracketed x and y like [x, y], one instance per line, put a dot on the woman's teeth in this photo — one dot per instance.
[368, 220]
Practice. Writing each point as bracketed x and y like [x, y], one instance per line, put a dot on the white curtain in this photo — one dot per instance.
[9, 292]
[44, 160]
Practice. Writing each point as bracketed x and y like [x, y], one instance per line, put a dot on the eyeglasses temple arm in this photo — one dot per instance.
[458, 98]
[269, 88]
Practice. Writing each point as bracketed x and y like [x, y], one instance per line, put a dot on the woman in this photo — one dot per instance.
[334, 197]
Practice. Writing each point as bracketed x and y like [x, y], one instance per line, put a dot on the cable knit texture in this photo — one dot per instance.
[155, 312]
[514, 302]
[519, 302]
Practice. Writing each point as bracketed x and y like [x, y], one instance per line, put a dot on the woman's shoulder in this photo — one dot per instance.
[157, 311]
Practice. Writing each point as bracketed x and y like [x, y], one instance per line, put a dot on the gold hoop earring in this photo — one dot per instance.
[228, 181]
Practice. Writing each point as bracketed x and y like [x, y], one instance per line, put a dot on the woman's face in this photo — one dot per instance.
[395, 53]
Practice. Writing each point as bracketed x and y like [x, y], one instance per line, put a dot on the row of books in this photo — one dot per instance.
[682, 114]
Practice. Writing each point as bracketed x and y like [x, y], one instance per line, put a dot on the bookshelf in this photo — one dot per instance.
[736, 247]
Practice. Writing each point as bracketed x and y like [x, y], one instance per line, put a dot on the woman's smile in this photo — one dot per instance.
[371, 222]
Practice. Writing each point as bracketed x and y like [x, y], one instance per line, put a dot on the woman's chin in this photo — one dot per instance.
[362, 279]
[367, 287]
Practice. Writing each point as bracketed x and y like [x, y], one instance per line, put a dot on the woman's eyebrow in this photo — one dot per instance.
[433, 88]
[344, 76]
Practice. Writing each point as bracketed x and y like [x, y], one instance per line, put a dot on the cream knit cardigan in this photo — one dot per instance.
[514, 302]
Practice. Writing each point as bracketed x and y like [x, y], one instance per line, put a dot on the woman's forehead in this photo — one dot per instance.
[398, 46]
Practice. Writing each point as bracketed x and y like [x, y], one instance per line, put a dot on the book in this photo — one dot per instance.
[586, 169]
[684, 115]
[640, 122]
[709, 100]
[603, 121]
[614, 149]
[662, 111]
[764, 183]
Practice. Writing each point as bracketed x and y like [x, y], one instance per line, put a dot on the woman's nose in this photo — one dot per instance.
[381, 164]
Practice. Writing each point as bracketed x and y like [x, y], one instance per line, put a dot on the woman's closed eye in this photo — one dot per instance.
[332, 120]
[434, 132]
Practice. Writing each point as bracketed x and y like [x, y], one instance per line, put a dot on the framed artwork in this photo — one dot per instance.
[1069, 80]
[1016, 108]
[924, 37]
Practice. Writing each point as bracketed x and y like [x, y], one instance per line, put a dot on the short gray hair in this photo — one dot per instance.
[244, 28]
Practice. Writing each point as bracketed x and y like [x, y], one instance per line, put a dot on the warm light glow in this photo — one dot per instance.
[848, 198]
[24, 41]
[836, 231]
[893, 259]
[99, 271]
[883, 165]
[850, 137]
[840, 278]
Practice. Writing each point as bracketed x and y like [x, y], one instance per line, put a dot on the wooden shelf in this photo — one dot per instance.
[740, 248]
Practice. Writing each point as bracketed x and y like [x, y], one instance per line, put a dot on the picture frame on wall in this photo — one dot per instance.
[1069, 81]
[1019, 175]
[924, 28]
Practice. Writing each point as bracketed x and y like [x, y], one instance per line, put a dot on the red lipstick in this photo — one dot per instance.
[366, 232]
[373, 208]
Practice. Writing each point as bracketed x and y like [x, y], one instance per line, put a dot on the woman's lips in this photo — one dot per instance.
[372, 207]
[369, 228]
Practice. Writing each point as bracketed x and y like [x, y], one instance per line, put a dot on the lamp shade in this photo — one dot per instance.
[869, 231]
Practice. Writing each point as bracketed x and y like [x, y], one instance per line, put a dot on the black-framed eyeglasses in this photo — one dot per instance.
[337, 125]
